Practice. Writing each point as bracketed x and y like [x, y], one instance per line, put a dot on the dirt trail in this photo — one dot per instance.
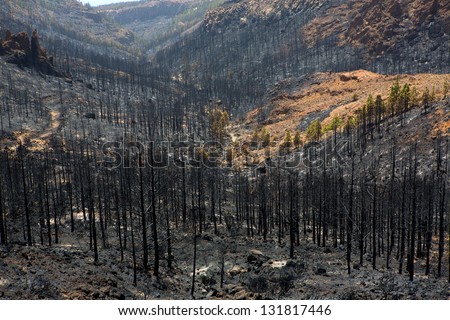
[54, 124]
[40, 134]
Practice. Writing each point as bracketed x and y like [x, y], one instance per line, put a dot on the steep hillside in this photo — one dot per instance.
[158, 23]
[295, 103]
[67, 20]
[236, 14]
[244, 47]
[415, 29]
[377, 27]
[25, 53]
[56, 121]
[257, 155]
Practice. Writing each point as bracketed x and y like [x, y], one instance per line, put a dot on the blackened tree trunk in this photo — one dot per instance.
[391, 210]
[291, 218]
[154, 224]
[441, 227]
[25, 198]
[133, 249]
[213, 200]
[183, 193]
[222, 266]
[170, 257]
[47, 211]
[402, 226]
[430, 218]
[3, 234]
[194, 262]
[350, 221]
[118, 218]
[94, 228]
[91, 209]
[413, 221]
[374, 225]
[72, 220]
[143, 216]
[363, 222]
[102, 213]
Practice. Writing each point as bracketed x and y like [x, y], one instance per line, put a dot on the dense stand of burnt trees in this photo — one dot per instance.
[139, 206]
[399, 214]
[237, 62]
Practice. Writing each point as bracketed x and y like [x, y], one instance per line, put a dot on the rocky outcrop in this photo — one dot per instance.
[26, 52]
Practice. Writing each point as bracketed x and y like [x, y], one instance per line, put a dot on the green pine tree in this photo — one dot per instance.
[297, 139]
[287, 143]
[426, 99]
[394, 97]
[314, 131]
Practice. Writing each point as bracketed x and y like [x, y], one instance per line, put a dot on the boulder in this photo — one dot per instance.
[256, 257]
[237, 270]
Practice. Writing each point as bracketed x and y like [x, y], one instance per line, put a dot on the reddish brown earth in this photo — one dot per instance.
[378, 25]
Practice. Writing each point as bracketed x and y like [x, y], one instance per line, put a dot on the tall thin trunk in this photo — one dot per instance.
[430, 218]
[441, 227]
[414, 221]
[143, 217]
[363, 222]
[154, 225]
[291, 219]
[350, 221]
[25, 199]
[402, 226]
[3, 240]
[169, 242]
[119, 231]
[374, 224]
[194, 262]
[133, 248]
[183, 194]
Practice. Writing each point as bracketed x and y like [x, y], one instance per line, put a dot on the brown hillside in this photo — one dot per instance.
[379, 25]
[328, 94]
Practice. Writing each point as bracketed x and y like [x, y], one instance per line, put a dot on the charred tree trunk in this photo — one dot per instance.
[25, 198]
[350, 221]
